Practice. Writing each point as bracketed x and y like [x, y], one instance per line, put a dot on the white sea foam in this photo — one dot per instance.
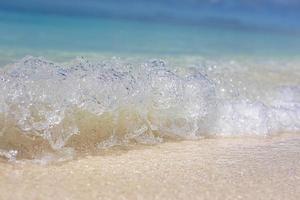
[84, 105]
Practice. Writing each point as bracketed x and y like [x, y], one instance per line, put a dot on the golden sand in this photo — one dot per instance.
[206, 169]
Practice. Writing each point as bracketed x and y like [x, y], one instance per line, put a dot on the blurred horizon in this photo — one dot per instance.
[216, 28]
[261, 14]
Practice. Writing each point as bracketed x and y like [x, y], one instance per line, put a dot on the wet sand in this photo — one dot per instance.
[237, 168]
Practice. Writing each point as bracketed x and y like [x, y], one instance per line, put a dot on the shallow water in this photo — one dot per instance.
[109, 75]
[60, 37]
[84, 106]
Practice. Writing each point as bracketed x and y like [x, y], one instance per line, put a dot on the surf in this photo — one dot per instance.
[89, 105]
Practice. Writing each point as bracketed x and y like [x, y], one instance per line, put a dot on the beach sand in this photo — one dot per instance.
[236, 168]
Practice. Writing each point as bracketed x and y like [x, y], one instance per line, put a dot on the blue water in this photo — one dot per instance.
[145, 72]
[203, 28]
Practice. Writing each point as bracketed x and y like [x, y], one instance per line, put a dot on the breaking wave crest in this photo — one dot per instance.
[84, 106]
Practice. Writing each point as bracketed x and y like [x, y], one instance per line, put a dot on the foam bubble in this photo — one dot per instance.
[85, 105]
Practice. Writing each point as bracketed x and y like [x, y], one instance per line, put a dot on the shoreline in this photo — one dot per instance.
[229, 168]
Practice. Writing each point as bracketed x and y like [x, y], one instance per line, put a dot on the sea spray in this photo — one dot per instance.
[85, 106]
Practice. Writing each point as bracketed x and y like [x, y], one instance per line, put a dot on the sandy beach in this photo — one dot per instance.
[139, 99]
[236, 168]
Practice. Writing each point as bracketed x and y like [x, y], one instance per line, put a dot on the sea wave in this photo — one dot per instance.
[85, 106]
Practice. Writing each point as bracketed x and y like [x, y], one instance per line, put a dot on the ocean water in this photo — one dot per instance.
[83, 77]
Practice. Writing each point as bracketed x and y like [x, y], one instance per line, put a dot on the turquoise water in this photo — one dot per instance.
[79, 77]
[55, 35]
